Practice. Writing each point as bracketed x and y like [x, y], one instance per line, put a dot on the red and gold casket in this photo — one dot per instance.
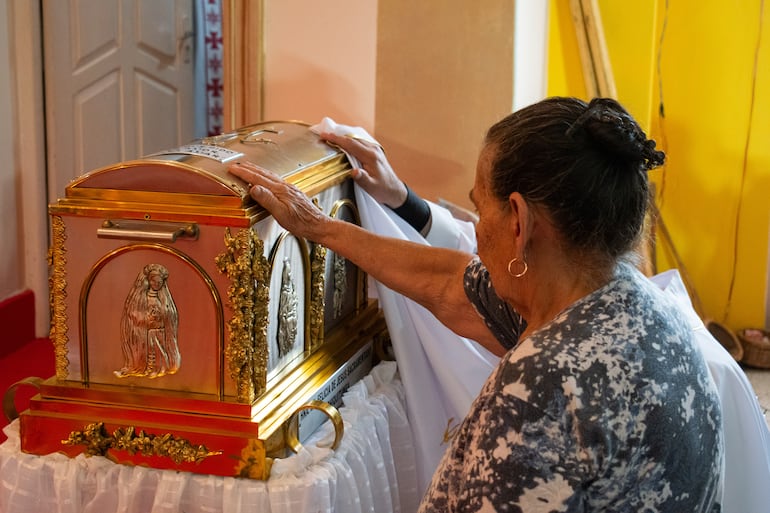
[190, 330]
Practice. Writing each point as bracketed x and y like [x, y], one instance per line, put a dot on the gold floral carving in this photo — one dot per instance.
[57, 293]
[244, 263]
[252, 463]
[317, 287]
[98, 441]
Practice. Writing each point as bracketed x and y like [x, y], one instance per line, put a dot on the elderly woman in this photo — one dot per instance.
[601, 401]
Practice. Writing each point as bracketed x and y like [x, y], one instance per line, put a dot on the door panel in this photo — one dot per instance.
[159, 121]
[119, 82]
[90, 41]
[96, 128]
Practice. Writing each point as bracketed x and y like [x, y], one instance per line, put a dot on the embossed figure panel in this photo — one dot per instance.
[148, 327]
[345, 286]
[151, 321]
[289, 282]
[288, 312]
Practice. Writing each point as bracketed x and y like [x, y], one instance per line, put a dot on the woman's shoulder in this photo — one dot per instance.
[629, 300]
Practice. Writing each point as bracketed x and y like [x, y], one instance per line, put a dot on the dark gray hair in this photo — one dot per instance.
[585, 163]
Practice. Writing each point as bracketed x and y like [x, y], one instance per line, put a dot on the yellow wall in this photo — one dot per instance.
[713, 200]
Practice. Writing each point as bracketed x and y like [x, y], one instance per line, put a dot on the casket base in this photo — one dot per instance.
[196, 434]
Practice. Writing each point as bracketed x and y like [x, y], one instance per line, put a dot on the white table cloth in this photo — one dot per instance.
[373, 470]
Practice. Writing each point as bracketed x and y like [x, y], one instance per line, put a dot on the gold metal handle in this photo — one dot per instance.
[9, 399]
[251, 137]
[147, 231]
[292, 429]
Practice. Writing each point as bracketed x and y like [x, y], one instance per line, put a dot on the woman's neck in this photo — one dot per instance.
[554, 288]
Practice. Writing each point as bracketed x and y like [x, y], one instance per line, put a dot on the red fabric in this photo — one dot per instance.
[21, 354]
[17, 318]
[35, 358]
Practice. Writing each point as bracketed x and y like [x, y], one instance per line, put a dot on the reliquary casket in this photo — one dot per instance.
[190, 331]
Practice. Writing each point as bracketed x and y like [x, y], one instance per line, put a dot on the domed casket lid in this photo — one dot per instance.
[193, 178]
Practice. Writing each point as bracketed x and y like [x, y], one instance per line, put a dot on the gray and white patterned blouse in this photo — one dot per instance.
[610, 407]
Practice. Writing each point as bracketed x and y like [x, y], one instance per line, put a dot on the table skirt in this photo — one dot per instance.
[373, 470]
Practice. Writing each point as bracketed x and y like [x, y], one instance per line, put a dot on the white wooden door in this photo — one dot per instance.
[118, 82]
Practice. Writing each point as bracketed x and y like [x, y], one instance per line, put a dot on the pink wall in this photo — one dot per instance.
[320, 60]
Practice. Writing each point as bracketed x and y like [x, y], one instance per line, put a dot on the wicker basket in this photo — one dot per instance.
[727, 338]
[756, 347]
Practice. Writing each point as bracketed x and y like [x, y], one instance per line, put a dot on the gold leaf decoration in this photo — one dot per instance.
[244, 263]
[252, 463]
[317, 292]
[98, 441]
[57, 294]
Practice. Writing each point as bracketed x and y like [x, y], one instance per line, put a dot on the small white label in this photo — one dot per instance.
[203, 150]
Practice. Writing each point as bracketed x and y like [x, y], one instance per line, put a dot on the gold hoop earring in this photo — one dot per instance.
[523, 271]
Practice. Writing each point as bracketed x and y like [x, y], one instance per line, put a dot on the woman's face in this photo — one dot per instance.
[156, 280]
[493, 229]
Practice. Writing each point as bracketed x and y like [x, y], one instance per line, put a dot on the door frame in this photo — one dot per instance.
[29, 127]
[243, 46]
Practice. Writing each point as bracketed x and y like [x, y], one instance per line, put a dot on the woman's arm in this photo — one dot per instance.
[433, 277]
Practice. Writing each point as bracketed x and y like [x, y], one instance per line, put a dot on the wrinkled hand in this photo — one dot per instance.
[288, 205]
[376, 176]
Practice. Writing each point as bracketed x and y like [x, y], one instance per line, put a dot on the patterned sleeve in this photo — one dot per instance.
[503, 321]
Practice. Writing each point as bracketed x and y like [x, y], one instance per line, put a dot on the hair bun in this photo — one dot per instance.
[607, 124]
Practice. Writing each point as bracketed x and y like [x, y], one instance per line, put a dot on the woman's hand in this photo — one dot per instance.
[376, 176]
[289, 206]
[431, 276]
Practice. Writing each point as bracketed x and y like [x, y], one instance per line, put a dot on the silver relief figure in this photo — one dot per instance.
[287, 312]
[148, 327]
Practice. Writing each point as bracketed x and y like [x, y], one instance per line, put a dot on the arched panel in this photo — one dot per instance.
[288, 312]
[345, 283]
[154, 319]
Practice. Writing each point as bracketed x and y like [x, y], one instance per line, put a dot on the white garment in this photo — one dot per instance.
[747, 438]
[328, 125]
[438, 391]
[442, 373]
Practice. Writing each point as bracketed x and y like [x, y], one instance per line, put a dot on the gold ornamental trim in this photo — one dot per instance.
[57, 295]
[345, 203]
[233, 197]
[95, 197]
[252, 463]
[244, 263]
[98, 442]
[317, 295]
[78, 183]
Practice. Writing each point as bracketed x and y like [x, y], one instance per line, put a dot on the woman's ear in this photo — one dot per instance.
[521, 223]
